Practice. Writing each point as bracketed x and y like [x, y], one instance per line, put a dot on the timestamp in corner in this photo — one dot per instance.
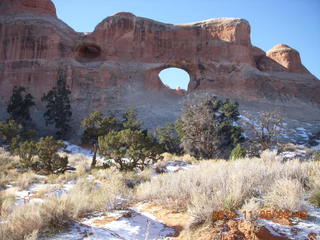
[260, 214]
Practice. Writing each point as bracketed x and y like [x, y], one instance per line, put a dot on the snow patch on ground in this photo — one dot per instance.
[175, 166]
[75, 149]
[27, 196]
[125, 225]
[80, 231]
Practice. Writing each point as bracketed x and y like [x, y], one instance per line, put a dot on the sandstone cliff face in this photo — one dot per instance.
[28, 7]
[118, 64]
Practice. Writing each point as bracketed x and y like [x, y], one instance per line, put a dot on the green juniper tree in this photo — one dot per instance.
[19, 106]
[42, 156]
[169, 138]
[130, 120]
[97, 125]
[9, 130]
[49, 160]
[209, 128]
[12, 134]
[130, 147]
[58, 109]
[27, 152]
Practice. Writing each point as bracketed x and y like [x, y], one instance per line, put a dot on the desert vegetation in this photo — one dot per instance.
[134, 167]
[236, 185]
[230, 185]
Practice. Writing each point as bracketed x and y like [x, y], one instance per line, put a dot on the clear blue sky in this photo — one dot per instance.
[292, 22]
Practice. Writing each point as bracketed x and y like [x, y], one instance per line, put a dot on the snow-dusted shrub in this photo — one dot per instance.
[24, 220]
[105, 191]
[87, 196]
[285, 194]
[229, 185]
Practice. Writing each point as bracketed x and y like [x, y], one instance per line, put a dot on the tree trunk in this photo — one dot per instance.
[94, 158]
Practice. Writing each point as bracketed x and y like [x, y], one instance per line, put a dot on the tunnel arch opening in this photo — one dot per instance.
[175, 78]
[88, 51]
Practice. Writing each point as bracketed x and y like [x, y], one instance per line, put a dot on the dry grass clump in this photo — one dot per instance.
[7, 176]
[110, 192]
[32, 236]
[7, 200]
[185, 158]
[87, 196]
[230, 185]
[7, 161]
[133, 179]
[8, 172]
[253, 205]
[285, 194]
[63, 178]
[315, 197]
[316, 155]
[25, 220]
[24, 180]
[76, 160]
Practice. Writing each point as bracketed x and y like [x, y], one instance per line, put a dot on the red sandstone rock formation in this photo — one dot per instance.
[118, 64]
[287, 57]
[27, 7]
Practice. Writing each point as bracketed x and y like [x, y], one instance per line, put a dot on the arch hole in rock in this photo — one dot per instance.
[89, 51]
[175, 78]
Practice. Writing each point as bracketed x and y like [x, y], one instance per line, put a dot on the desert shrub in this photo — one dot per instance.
[285, 194]
[169, 138]
[24, 180]
[19, 105]
[32, 236]
[316, 156]
[56, 213]
[25, 220]
[27, 152]
[132, 179]
[7, 200]
[87, 196]
[208, 128]
[9, 130]
[129, 149]
[97, 125]
[315, 197]
[237, 152]
[79, 161]
[49, 160]
[231, 185]
[254, 205]
[7, 161]
[184, 158]
[8, 165]
[42, 156]
[13, 134]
